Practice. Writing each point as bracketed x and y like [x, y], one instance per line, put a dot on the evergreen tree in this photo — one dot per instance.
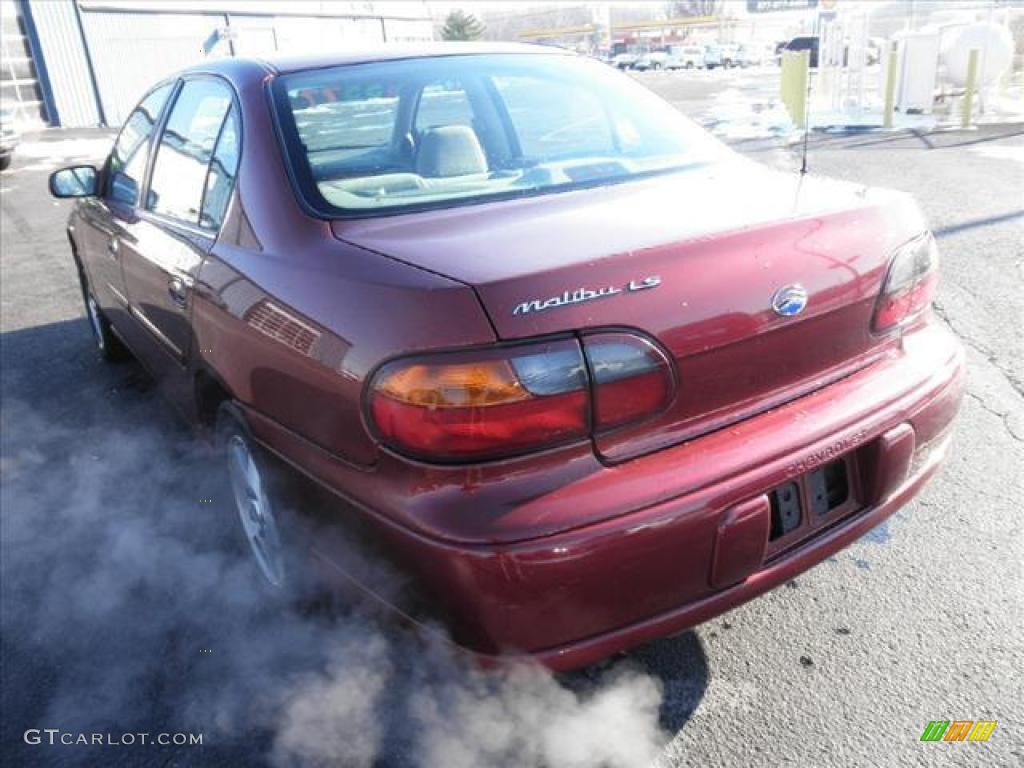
[461, 26]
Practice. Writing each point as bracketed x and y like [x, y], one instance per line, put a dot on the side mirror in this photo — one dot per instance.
[77, 181]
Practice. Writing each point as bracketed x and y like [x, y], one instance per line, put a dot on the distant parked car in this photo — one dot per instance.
[643, 63]
[748, 56]
[686, 57]
[730, 54]
[9, 136]
[654, 60]
[624, 60]
[712, 56]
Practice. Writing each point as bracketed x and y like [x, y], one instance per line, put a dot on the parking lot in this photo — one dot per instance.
[845, 665]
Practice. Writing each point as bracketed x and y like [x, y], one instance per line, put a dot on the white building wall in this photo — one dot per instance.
[132, 51]
[135, 43]
[66, 63]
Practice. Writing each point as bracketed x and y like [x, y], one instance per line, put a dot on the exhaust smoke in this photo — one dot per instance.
[126, 609]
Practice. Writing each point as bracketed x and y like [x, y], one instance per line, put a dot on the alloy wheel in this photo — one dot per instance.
[255, 511]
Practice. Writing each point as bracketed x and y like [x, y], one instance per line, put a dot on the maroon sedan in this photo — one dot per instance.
[584, 374]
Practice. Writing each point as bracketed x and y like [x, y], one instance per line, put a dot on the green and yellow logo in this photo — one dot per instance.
[958, 730]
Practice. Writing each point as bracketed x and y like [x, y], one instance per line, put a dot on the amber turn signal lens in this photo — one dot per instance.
[460, 385]
[508, 400]
[482, 404]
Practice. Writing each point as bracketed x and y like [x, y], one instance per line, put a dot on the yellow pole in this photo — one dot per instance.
[890, 87]
[795, 69]
[794, 66]
[968, 103]
[803, 71]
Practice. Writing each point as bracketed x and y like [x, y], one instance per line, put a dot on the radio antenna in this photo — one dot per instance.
[807, 119]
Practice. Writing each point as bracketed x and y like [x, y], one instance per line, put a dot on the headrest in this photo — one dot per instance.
[450, 150]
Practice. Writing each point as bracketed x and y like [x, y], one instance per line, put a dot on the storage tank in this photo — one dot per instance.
[995, 47]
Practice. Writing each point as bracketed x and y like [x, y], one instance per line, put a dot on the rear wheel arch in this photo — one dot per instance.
[210, 392]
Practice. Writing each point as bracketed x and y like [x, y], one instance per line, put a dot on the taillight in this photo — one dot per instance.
[909, 285]
[483, 404]
[504, 401]
[632, 379]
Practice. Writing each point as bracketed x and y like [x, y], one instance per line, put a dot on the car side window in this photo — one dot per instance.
[220, 180]
[186, 148]
[127, 163]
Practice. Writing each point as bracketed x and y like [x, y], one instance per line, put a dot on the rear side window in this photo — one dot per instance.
[221, 177]
[127, 164]
[186, 149]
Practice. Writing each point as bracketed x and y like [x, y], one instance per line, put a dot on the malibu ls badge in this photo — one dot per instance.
[581, 295]
[789, 300]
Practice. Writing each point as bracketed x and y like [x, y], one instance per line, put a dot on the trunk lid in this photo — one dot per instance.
[693, 260]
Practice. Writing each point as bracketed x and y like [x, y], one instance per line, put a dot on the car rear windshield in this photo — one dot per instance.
[441, 131]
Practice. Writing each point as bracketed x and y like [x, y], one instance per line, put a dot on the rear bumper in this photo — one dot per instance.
[574, 597]
[580, 653]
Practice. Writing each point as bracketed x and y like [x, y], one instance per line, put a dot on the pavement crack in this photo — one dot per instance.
[1003, 416]
[1016, 384]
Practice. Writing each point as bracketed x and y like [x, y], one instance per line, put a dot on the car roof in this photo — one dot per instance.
[364, 55]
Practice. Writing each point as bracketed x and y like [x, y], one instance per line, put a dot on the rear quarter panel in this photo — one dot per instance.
[291, 321]
[294, 337]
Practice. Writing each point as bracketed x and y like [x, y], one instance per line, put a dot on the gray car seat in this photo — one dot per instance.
[450, 150]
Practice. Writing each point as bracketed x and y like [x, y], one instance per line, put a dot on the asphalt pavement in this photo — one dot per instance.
[846, 665]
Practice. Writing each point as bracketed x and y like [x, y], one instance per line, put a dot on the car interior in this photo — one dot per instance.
[371, 144]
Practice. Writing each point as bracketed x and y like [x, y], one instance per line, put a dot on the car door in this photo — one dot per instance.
[190, 183]
[102, 219]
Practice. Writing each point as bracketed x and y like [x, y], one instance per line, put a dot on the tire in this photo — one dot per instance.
[255, 496]
[5, 161]
[109, 346]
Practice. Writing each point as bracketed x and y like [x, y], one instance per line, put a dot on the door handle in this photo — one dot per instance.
[177, 291]
[113, 247]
